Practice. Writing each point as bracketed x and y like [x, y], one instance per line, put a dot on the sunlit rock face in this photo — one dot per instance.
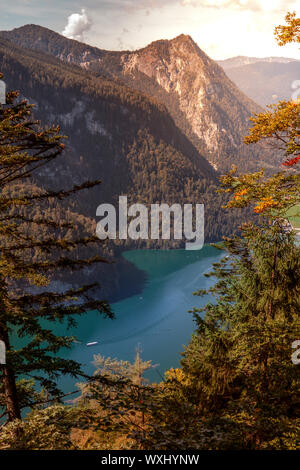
[202, 100]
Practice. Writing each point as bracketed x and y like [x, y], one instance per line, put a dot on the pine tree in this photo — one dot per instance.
[34, 248]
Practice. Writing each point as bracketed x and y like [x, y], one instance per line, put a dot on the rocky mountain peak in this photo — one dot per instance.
[182, 45]
[171, 63]
[204, 96]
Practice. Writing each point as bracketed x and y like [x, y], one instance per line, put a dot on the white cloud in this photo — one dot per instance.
[77, 25]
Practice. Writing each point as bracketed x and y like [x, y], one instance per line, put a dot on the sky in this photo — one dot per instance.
[222, 28]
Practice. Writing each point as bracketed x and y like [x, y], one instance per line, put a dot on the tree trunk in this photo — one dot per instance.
[273, 279]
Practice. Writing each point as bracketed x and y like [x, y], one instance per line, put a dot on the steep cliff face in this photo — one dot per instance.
[205, 105]
[185, 72]
[210, 109]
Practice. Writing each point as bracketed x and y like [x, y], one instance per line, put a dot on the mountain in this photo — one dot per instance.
[206, 106]
[118, 134]
[239, 61]
[264, 80]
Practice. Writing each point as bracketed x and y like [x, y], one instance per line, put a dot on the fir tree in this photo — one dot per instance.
[29, 260]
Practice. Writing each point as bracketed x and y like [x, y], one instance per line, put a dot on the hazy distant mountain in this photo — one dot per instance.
[205, 105]
[264, 80]
[243, 60]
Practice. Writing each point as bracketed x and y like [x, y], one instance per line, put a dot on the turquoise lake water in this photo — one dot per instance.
[157, 318]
